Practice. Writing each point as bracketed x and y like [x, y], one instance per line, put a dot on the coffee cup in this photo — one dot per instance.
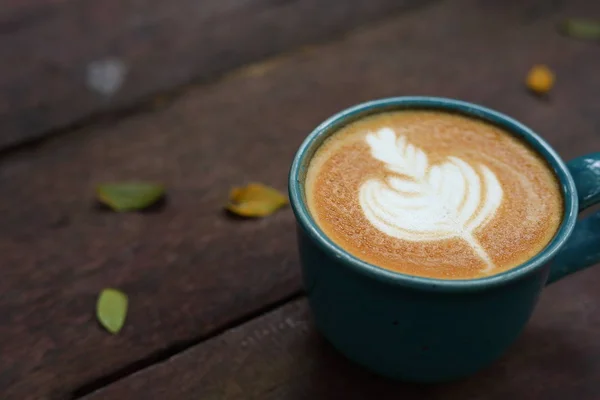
[423, 329]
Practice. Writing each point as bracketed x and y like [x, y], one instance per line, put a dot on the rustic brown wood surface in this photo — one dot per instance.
[281, 356]
[189, 270]
[59, 56]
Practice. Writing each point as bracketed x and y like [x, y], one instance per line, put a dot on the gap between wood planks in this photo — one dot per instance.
[162, 99]
[175, 348]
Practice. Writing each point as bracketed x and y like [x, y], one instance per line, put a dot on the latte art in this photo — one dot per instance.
[433, 194]
[422, 202]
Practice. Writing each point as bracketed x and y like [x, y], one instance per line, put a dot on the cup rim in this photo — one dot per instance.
[335, 122]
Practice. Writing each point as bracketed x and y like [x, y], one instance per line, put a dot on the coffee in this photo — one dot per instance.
[433, 194]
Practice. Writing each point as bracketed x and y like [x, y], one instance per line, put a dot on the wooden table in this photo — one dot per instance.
[216, 304]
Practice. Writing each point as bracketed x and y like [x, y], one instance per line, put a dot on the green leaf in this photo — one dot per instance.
[581, 29]
[111, 309]
[129, 196]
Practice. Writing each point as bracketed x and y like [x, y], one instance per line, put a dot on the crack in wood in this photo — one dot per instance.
[174, 349]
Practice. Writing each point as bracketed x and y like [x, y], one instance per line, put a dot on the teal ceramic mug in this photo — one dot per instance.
[431, 330]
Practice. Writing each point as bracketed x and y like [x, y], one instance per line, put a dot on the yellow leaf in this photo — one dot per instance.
[255, 200]
[540, 79]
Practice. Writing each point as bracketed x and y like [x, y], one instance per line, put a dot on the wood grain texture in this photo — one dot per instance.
[281, 356]
[189, 270]
[49, 48]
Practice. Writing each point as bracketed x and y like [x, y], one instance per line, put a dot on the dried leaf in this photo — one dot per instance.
[540, 79]
[111, 309]
[581, 29]
[255, 200]
[129, 196]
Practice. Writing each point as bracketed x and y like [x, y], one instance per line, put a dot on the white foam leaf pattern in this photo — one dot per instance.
[419, 202]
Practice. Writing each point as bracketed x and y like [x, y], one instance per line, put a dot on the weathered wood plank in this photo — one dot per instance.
[281, 356]
[189, 270]
[53, 51]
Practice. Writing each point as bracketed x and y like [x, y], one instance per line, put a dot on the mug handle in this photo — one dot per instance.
[582, 249]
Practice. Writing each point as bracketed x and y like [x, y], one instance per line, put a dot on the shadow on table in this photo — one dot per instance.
[542, 364]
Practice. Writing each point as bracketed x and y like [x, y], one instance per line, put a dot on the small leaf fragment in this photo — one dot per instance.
[129, 196]
[581, 29]
[540, 79]
[255, 200]
[111, 309]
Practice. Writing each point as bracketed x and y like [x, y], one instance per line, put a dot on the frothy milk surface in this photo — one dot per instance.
[433, 194]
